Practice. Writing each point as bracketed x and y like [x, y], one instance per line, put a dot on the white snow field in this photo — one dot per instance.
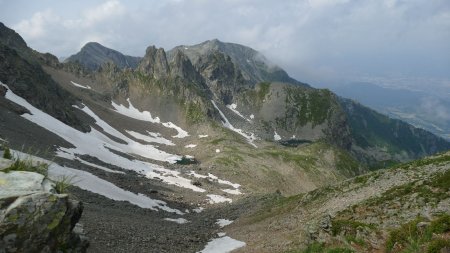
[133, 112]
[223, 244]
[92, 183]
[99, 145]
[226, 123]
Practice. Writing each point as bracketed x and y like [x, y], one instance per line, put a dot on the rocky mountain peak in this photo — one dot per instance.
[11, 39]
[93, 55]
[154, 63]
[181, 66]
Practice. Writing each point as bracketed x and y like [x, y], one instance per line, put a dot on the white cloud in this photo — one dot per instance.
[35, 27]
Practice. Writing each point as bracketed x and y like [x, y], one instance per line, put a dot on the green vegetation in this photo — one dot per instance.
[307, 106]
[348, 226]
[264, 89]
[413, 238]
[7, 153]
[62, 185]
[317, 247]
[28, 165]
[194, 113]
[304, 161]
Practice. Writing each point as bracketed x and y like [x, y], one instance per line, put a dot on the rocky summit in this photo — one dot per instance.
[204, 148]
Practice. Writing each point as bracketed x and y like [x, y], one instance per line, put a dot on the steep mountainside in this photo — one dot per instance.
[93, 55]
[425, 109]
[183, 141]
[388, 138]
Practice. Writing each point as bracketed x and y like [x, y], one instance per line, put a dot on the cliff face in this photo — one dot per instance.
[33, 218]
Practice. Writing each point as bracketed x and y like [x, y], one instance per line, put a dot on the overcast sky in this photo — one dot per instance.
[316, 41]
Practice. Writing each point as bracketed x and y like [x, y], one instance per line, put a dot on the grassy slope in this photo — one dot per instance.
[357, 214]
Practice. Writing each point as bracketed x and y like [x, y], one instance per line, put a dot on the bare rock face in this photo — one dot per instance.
[154, 63]
[35, 219]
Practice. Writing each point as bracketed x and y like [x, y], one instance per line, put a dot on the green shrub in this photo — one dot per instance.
[440, 225]
[62, 185]
[27, 165]
[337, 226]
[7, 153]
[437, 245]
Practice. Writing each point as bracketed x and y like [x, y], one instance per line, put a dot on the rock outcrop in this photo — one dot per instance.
[34, 218]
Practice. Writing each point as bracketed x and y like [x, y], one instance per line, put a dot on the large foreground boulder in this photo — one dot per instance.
[33, 218]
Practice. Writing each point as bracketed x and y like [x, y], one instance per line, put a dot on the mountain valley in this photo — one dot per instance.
[213, 148]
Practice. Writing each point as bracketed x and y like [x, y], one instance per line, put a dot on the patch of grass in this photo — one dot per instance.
[411, 238]
[7, 153]
[217, 141]
[440, 225]
[350, 227]
[194, 113]
[355, 240]
[303, 161]
[317, 247]
[28, 165]
[62, 184]
[264, 89]
[442, 181]
[436, 245]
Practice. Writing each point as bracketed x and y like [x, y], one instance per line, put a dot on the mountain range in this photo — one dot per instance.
[188, 139]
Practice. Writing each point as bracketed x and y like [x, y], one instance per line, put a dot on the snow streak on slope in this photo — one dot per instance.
[89, 182]
[81, 86]
[99, 145]
[134, 113]
[226, 123]
[233, 108]
[151, 137]
[92, 183]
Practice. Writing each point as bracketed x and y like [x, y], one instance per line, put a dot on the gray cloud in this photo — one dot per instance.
[315, 41]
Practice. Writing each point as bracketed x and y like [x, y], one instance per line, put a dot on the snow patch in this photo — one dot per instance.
[217, 150]
[214, 199]
[99, 145]
[220, 234]
[222, 245]
[198, 210]
[202, 136]
[232, 191]
[151, 137]
[233, 107]
[191, 146]
[252, 116]
[81, 86]
[92, 183]
[226, 123]
[223, 222]
[98, 166]
[133, 112]
[276, 136]
[179, 220]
